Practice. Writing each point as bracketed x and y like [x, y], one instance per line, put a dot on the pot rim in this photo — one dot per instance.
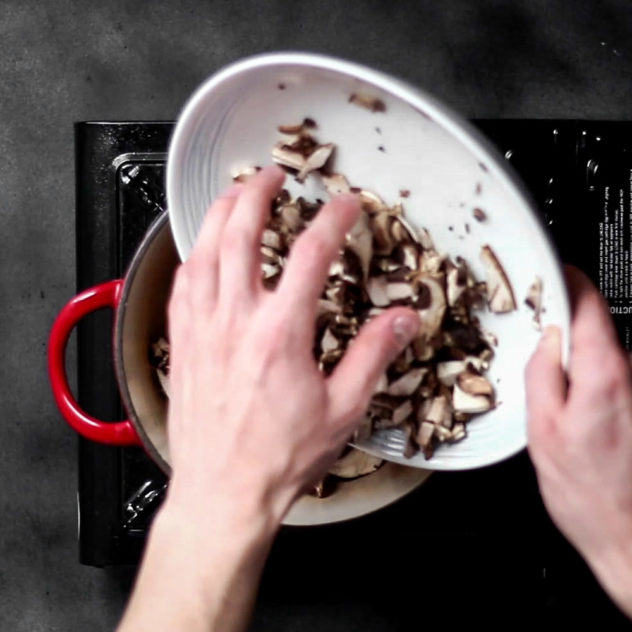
[157, 226]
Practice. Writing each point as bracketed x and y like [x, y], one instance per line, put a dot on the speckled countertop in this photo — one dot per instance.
[66, 61]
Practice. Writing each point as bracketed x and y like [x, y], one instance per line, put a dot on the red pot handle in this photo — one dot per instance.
[120, 433]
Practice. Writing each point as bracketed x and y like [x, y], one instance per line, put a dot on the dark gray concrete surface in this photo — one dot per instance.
[65, 61]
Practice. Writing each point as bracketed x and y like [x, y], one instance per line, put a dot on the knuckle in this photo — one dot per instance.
[313, 249]
[380, 336]
[195, 268]
[234, 241]
[179, 288]
[356, 409]
[270, 333]
[615, 375]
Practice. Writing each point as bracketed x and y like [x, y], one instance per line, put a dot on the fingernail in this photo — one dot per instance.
[349, 198]
[405, 329]
[274, 171]
[551, 337]
[233, 191]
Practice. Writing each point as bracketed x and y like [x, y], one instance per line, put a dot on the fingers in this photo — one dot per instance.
[239, 250]
[312, 253]
[545, 386]
[205, 254]
[592, 324]
[379, 342]
[598, 366]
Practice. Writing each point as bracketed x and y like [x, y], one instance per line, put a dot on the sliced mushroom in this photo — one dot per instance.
[383, 238]
[384, 264]
[425, 435]
[382, 384]
[458, 432]
[315, 160]
[410, 256]
[318, 489]
[430, 262]
[329, 342]
[457, 281]
[376, 289]
[401, 229]
[463, 402]
[367, 101]
[326, 306]
[163, 378]
[160, 356]
[534, 301]
[439, 411]
[479, 214]
[402, 412]
[408, 383]
[160, 351]
[337, 268]
[269, 255]
[290, 214]
[448, 371]
[442, 433]
[371, 202]
[294, 130]
[355, 463]
[474, 383]
[360, 241]
[424, 239]
[399, 291]
[271, 239]
[431, 316]
[364, 430]
[246, 174]
[500, 294]
[336, 184]
[404, 361]
[269, 270]
[285, 156]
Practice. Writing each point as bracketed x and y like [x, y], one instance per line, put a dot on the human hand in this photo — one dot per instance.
[251, 420]
[580, 438]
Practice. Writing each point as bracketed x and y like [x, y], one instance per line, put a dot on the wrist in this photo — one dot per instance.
[218, 524]
[612, 567]
[200, 569]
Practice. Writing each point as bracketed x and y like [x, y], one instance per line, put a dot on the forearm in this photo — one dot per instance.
[198, 576]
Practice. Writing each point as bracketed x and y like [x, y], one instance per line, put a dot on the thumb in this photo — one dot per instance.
[545, 388]
[379, 342]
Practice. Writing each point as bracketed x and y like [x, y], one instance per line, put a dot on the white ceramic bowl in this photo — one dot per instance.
[416, 144]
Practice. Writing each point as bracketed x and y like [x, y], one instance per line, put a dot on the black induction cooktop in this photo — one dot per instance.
[469, 546]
